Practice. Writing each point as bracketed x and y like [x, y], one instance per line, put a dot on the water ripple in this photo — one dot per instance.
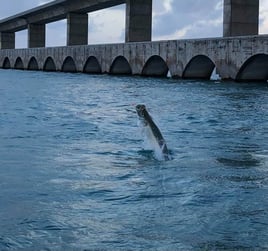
[74, 175]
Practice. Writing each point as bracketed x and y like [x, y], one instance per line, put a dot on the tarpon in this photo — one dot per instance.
[153, 133]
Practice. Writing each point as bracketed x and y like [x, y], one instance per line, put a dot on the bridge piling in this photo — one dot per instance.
[138, 20]
[77, 29]
[36, 35]
[7, 40]
[241, 18]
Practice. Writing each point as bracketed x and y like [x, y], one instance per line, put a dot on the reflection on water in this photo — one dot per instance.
[73, 175]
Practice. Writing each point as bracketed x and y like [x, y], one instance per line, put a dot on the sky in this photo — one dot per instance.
[172, 19]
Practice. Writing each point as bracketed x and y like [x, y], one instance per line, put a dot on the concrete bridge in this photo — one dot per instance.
[241, 58]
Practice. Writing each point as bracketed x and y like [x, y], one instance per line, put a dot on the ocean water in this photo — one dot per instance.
[74, 175]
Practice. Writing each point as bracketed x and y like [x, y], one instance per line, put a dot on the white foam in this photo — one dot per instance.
[150, 142]
[263, 156]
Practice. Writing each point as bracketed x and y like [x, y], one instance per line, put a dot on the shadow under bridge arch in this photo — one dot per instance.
[199, 67]
[6, 63]
[120, 66]
[155, 67]
[33, 65]
[19, 64]
[92, 65]
[68, 65]
[254, 69]
[49, 65]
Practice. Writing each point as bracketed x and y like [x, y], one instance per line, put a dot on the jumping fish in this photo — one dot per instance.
[153, 133]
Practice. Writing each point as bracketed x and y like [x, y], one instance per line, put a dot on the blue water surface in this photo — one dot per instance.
[74, 176]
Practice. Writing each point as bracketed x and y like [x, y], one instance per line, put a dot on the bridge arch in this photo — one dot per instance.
[92, 65]
[33, 65]
[19, 64]
[155, 67]
[120, 66]
[6, 63]
[254, 69]
[199, 67]
[68, 65]
[49, 65]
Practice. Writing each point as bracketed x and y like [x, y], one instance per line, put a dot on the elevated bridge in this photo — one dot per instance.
[138, 21]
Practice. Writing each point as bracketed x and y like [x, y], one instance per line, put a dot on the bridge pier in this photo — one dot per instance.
[77, 29]
[241, 18]
[7, 40]
[36, 35]
[138, 20]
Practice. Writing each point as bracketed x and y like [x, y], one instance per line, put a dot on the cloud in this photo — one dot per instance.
[106, 26]
[263, 17]
[161, 7]
[183, 18]
[56, 33]
[9, 8]
[41, 2]
[198, 29]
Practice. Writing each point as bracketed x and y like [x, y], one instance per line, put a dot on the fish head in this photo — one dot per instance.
[141, 111]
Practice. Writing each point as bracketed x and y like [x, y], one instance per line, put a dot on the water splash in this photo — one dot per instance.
[150, 143]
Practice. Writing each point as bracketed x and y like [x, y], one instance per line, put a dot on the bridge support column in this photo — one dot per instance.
[36, 35]
[241, 17]
[77, 29]
[7, 40]
[138, 20]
